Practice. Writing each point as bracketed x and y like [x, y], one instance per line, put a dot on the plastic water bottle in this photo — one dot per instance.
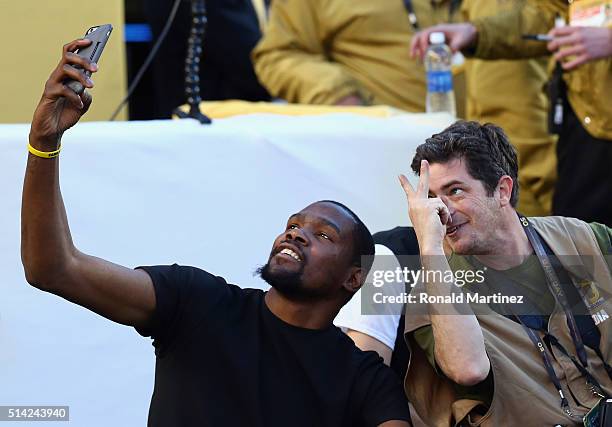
[438, 59]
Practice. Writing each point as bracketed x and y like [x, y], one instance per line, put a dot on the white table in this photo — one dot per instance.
[141, 193]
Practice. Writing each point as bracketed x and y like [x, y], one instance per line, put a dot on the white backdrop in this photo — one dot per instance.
[140, 193]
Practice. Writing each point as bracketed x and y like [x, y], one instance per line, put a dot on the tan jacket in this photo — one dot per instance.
[589, 86]
[523, 393]
[320, 51]
[510, 93]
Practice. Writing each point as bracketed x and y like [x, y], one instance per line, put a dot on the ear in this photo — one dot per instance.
[354, 280]
[504, 189]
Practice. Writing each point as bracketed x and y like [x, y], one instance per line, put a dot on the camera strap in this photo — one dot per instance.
[531, 324]
[595, 386]
[411, 15]
[531, 328]
[540, 346]
[554, 285]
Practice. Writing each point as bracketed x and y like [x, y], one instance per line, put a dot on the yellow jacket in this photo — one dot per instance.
[510, 93]
[589, 86]
[320, 51]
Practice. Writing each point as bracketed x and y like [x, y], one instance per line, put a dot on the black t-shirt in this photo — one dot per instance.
[224, 359]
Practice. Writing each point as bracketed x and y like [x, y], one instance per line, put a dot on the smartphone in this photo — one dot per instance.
[99, 36]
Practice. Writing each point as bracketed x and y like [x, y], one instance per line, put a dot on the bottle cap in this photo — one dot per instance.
[437, 38]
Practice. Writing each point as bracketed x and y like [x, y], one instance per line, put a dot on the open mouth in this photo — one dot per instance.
[452, 231]
[289, 253]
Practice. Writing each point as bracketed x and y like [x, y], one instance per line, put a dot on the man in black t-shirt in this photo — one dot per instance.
[226, 356]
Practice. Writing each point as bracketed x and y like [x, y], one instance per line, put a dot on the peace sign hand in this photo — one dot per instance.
[429, 216]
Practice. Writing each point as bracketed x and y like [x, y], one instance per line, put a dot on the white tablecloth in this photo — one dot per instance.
[141, 193]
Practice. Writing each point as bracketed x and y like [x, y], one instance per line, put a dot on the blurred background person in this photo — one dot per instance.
[226, 71]
[349, 52]
[510, 93]
[580, 90]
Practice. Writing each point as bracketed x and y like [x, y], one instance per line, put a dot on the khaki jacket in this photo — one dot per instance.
[320, 51]
[510, 93]
[589, 86]
[523, 393]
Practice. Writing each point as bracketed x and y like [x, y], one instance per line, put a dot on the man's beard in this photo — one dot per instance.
[483, 241]
[288, 284]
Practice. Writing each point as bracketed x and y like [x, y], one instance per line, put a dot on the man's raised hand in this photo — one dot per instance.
[458, 37]
[574, 46]
[60, 107]
[429, 216]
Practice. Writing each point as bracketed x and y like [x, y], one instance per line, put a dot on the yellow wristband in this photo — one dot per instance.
[44, 154]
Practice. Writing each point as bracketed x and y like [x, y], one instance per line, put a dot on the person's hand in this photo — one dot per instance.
[575, 46]
[429, 216]
[350, 100]
[60, 107]
[458, 37]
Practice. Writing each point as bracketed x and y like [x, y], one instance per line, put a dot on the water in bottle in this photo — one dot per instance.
[440, 94]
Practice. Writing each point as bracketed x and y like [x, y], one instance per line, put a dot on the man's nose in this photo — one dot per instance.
[449, 204]
[296, 234]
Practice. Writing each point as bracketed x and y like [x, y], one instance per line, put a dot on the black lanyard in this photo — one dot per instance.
[547, 364]
[541, 347]
[454, 4]
[554, 285]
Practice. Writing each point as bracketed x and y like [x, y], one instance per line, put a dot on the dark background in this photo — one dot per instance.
[226, 70]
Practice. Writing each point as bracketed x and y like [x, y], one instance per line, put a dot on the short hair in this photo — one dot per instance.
[363, 242]
[486, 149]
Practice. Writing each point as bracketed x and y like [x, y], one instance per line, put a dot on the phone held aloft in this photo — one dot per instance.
[99, 36]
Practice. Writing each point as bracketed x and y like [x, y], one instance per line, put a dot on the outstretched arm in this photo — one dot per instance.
[50, 259]
[497, 36]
